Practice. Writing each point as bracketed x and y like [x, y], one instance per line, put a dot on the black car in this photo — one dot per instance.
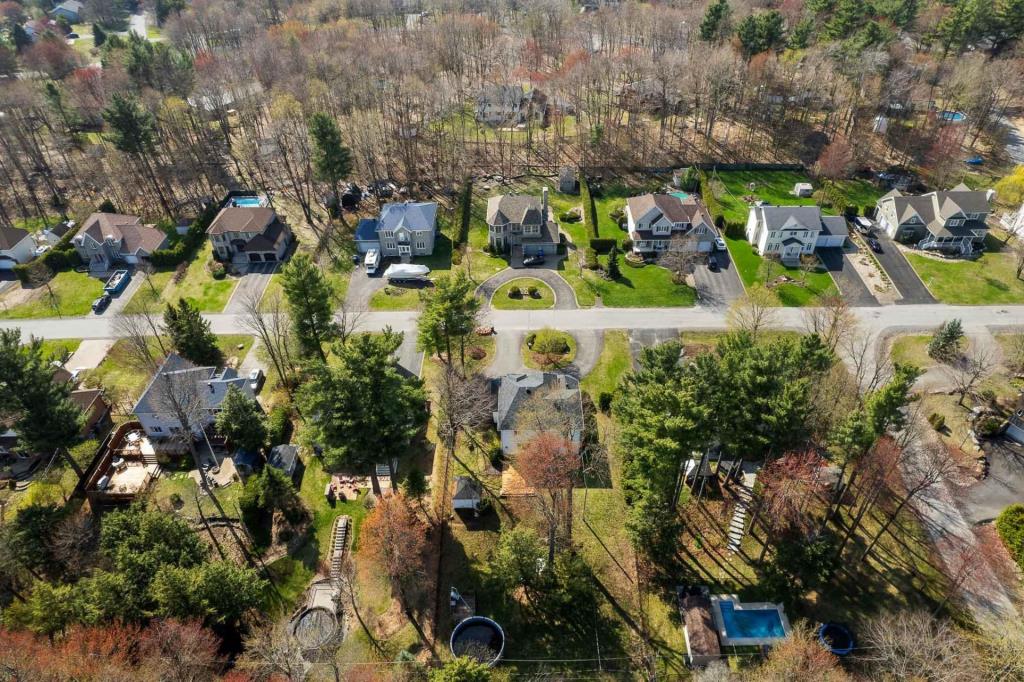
[875, 245]
[101, 303]
[531, 261]
[713, 264]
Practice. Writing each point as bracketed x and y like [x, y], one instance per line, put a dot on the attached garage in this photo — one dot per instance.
[834, 232]
[7, 263]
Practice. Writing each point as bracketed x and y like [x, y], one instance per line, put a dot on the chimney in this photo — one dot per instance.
[544, 203]
[210, 384]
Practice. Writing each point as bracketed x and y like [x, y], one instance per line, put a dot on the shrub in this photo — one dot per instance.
[590, 259]
[604, 401]
[217, 269]
[179, 273]
[496, 457]
[850, 211]
[515, 292]
[720, 222]
[989, 427]
[1010, 526]
[279, 426]
[989, 396]
[530, 338]
[589, 210]
[550, 342]
[602, 245]
[457, 257]
[570, 216]
[533, 291]
[618, 215]
[869, 211]
[937, 421]
[735, 230]
[176, 501]
[627, 245]
[464, 214]
[106, 206]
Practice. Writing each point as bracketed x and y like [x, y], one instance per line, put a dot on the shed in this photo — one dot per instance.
[285, 458]
[803, 189]
[702, 645]
[567, 183]
[467, 494]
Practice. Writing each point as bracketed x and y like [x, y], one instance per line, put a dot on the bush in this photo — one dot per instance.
[604, 401]
[570, 216]
[176, 501]
[602, 245]
[627, 245]
[590, 259]
[533, 291]
[464, 214]
[530, 338]
[457, 257]
[217, 269]
[989, 427]
[850, 211]
[183, 249]
[735, 230]
[589, 210]
[937, 421]
[1010, 526]
[869, 211]
[279, 426]
[496, 457]
[550, 342]
[618, 215]
[106, 206]
[515, 292]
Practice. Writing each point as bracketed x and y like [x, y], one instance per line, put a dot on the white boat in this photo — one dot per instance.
[406, 272]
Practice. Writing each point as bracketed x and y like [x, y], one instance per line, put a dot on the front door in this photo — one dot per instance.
[404, 250]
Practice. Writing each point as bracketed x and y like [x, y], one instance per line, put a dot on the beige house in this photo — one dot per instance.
[249, 234]
[107, 240]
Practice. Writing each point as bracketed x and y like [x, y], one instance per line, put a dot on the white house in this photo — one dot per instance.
[653, 219]
[16, 247]
[402, 230]
[954, 221]
[531, 402]
[199, 391]
[789, 232]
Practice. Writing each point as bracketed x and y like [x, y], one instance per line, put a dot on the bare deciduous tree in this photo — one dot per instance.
[269, 321]
[753, 312]
[272, 652]
[906, 645]
[968, 370]
[832, 320]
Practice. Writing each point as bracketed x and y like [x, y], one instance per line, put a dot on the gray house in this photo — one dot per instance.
[654, 219]
[532, 402]
[71, 10]
[199, 389]
[403, 230]
[522, 222]
[510, 105]
[110, 239]
[953, 221]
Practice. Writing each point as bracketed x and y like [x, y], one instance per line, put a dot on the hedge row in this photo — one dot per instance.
[61, 257]
[462, 215]
[185, 247]
[714, 208]
[602, 245]
[589, 210]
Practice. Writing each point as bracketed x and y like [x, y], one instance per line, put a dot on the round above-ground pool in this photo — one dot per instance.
[835, 638]
[314, 627]
[479, 638]
[952, 116]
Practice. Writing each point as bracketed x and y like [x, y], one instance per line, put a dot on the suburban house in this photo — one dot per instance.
[510, 105]
[516, 221]
[789, 232]
[110, 239]
[654, 219]
[202, 388]
[249, 234]
[531, 402]
[952, 221]
[402, 230]
[16, 247]
[71, 10]
[51, 236]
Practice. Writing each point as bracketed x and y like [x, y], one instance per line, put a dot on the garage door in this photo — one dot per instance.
[7, 263]
[826, 241]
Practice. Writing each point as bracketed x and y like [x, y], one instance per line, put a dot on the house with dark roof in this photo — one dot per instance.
[654, 219]
[531, 402]
[71, 10]
[249, 234]
[403, 230]
[790, 232]
[16, 247]
[199, 390]
[285, 458]
[519, 222]
[107, 240]
[953, 221]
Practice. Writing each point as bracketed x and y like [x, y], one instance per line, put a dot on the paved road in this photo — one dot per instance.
[849, 281]
[642, 338]
[906, 281]
[255, 281]
[721, 288]
[565, 297]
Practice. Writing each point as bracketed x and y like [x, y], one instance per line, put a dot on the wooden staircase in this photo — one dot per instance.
[738, 524]
[339, 544]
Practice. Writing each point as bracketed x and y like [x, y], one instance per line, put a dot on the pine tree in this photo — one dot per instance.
[332, 160]
[133, 131]
[449, 316]
[715, 22]
[241, 421]
[310, 302]
[613, 264]
[190, 334]
[99, 36]
[945, 344]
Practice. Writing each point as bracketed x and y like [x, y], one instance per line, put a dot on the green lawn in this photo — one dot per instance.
[337, 274]
[55, 348]
[563, 361]
[775, 187]
[198, 286]
[545, 297]
[613, 363]
[991, 279]
[74, 293]
[648, 287]
[397, 297]
[752, 269]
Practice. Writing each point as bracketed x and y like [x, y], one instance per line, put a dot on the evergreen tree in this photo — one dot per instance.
[847, 18]
[241, 420]
[132, 130]
[714, 25]
[760, 32]
[332, 160]
[190, 334]
[613, 264]
[99, 36]
[367, 408]
[310, 302]
[1010, 19]
[415, 484]
[945, 344]
[449, 316]
[800, 36]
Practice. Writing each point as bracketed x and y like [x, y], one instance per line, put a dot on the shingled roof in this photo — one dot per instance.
[11, 237]
[541, 391]
[242, 219]
[127, 229]
[514, 208]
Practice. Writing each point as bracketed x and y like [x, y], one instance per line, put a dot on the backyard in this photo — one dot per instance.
[775, 187]
[72, 296]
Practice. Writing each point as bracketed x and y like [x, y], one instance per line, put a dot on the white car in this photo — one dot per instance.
[863, 224]
[372, 261]
[719, 244]
[256, 380]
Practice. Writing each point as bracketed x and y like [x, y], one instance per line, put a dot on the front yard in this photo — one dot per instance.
[990, 279]
[198, 286]
[504, 299]
[72, 296]
[753, 270]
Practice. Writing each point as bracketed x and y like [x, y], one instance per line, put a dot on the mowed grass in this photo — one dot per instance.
[611, 366]
[648, 287]
[531, 359]
[545, 297]
[56, 348]
[991, 279]
[775, 187]
[73, 294]
[752, 270]
[198, 286]
[397, 297]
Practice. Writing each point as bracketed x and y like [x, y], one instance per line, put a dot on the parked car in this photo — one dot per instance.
[73, 36]
[101, 303]
[531, 261]
[720, 244]
[713, 264]
[863, 225]
[256, 379]
[875, 245]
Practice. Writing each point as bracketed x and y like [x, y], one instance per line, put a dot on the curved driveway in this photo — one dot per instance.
[565, 297]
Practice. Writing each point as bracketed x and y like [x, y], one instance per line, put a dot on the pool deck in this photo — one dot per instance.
[724, 637]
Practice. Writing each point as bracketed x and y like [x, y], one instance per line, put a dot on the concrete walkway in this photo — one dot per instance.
[565, 297]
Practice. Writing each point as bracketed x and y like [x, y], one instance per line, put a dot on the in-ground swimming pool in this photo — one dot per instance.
[745, 624]
[952, 116]
[247, 202]
[680, 195]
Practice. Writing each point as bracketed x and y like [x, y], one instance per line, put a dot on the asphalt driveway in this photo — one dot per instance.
[903, 277]
[718, 288]
[1003, 486]
[565, 297]
[851, 286]
[255, 281]
[642, 338]
[362, 287]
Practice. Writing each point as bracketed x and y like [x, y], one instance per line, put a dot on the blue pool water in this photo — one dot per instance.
[954, 116]
[247, 202]
[755, 623]
[680, 195]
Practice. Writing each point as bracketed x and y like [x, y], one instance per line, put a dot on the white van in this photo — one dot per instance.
[372, 261]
